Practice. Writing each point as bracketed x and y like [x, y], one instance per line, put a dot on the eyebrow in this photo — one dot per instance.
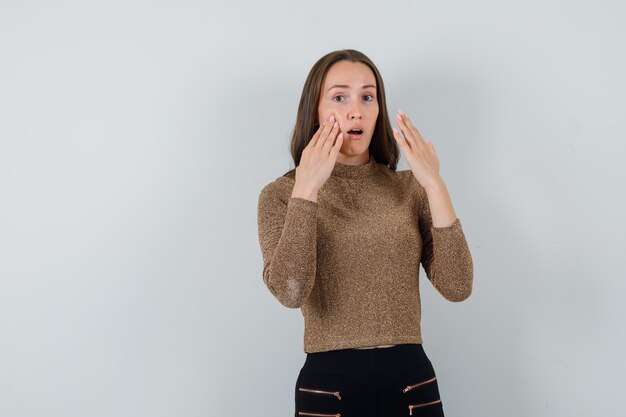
[347, 86]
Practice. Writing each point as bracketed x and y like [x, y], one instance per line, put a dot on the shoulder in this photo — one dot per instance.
[278, 190]
[404, 177]
[407, 182]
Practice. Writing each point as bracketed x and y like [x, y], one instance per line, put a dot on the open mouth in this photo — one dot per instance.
[355, 133]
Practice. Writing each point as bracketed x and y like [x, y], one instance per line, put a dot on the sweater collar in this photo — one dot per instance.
[355, 171]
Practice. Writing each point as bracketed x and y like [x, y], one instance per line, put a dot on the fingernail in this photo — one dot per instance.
[336, 124]
[332, 117]
[401, 112]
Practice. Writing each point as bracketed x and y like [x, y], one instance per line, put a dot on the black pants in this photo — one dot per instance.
[379, 382]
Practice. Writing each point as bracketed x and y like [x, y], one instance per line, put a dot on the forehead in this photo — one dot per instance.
[354, 74]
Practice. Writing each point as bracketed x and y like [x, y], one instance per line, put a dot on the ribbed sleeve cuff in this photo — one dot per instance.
[447, 230]
[302, 204]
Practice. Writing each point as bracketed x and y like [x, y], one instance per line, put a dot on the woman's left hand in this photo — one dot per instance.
[420, 156]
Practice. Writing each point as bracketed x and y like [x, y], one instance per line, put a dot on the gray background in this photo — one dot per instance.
[136, 135]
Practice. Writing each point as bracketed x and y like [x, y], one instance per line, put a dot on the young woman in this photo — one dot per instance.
[343, 236]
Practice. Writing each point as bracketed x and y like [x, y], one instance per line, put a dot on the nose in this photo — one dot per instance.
[355, 112]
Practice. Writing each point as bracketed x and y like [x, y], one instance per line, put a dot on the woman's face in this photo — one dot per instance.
[349, 93]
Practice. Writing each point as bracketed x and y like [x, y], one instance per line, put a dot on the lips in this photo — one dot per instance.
[355, 132]
[354, 135]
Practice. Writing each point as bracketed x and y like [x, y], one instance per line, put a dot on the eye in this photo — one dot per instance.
[369, 97]
[336, 97]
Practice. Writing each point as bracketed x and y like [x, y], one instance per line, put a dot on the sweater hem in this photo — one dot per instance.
[359, 343]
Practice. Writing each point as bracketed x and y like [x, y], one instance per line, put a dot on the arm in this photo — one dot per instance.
[446, 257]
[288, 240]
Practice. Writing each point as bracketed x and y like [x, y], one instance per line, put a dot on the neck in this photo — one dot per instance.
[353, 170]
[353, 159]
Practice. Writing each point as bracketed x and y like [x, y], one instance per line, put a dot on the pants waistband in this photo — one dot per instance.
[381, 361]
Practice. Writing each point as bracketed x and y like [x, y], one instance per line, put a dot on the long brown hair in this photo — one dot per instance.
[382, 147]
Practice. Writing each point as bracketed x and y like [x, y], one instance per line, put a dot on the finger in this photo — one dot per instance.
[405, 131]
[316, 135]
[328, 141]
[337, 146]
[417, 140]
[401, 141]
[330, 124]
[416, 134]
[326, 130]
[432, 147]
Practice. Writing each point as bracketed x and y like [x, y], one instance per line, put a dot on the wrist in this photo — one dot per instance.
[434, 185]
[304, 191]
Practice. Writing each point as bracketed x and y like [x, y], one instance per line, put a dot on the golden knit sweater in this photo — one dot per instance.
[350, 261]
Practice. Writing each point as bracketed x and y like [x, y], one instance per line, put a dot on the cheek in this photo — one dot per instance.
[323, 112]
[374, 116]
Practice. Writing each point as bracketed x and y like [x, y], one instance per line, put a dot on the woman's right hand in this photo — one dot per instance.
[318, 160]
